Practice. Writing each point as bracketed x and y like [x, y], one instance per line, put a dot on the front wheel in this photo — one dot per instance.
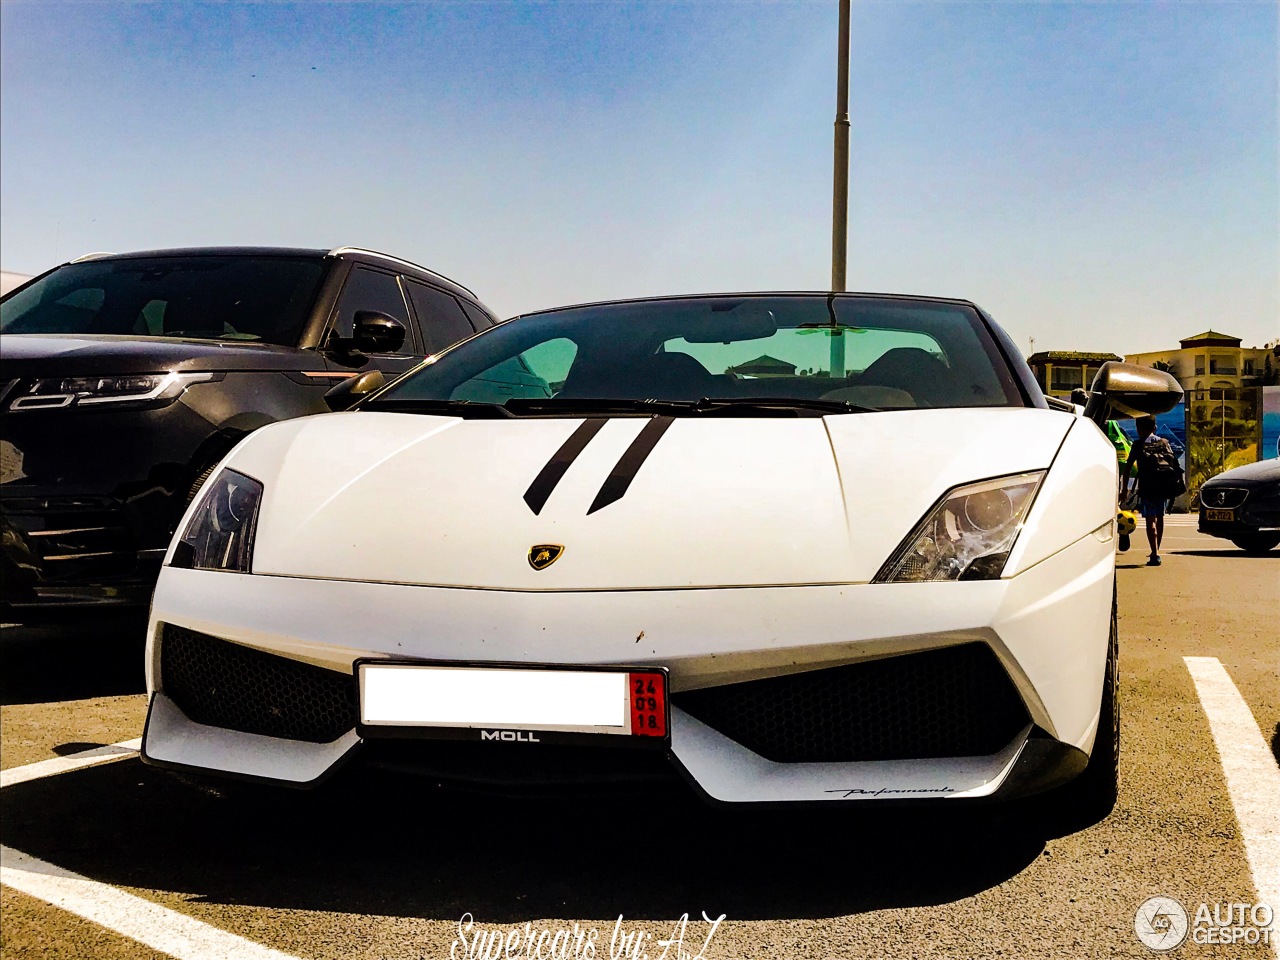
[1092, 795]
[1257, 542]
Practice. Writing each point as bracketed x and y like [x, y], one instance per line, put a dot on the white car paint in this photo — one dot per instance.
[726, 502]
[744, 549]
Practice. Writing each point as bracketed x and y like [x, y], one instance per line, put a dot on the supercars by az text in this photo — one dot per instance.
[777, 544]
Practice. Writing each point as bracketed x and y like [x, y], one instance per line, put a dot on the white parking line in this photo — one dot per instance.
[149, 923]
[1253, 777]
[152, 925]
[86, 758]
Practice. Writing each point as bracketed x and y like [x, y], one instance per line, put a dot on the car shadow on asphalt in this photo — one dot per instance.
[73, 657]
[400, 846]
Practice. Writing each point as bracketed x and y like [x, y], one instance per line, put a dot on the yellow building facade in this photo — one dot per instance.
[1209, 361]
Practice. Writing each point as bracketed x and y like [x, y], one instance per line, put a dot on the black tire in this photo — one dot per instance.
[1257, 542]
[1092, 795]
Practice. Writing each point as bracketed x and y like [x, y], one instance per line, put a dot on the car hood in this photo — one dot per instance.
[73, 355]
[1264, 471]
[726, 502]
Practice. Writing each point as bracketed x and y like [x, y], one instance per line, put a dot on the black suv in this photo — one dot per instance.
[124, 379]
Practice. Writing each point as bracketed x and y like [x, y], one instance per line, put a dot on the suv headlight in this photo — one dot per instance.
[53, 393]
[219, 535]
[968, 535]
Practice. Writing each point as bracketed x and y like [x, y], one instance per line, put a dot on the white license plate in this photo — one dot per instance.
[501, 700]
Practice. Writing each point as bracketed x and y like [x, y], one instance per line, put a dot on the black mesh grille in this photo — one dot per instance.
[224, 684]
[954, 702]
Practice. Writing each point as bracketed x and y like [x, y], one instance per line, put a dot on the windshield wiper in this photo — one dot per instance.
[576, 406]
[466, 409]
[715, 404]
[709, 406]
[544, 405]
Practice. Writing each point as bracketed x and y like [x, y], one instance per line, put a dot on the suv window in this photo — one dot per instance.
[214, 297]
[440, 317]
[479, 319]
[368, 289]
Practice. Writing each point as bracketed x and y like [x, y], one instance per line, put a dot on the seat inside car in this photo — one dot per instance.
[928, 380]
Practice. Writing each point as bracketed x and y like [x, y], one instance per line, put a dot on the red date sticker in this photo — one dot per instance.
[648, 704]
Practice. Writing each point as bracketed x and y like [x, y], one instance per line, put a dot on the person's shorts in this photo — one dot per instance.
[1151, 509]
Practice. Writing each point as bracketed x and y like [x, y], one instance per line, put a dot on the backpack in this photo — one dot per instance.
[1159, 475]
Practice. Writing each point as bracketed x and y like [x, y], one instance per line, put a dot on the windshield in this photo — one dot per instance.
[213, 298]
[793, 355]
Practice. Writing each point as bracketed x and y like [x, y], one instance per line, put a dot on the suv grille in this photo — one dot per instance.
[1218, 496]
[70, 538]
[224, 684]
[953, 702]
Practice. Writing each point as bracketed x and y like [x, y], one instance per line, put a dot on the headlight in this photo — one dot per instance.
[56, 392]
[220, 533]
[968, 535]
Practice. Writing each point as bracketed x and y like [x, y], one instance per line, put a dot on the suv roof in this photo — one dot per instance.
[345, 253]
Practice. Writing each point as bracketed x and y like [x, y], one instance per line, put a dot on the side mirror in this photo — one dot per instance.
[374, 332]
[346, 393]
[1126, 390]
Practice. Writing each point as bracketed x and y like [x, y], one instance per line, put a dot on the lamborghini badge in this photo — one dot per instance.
[543, 555]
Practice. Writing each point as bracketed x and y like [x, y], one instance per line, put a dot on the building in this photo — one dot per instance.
[1223, 383]
[765, 366]
[9, 280]
[1061, 371]
[1209, 361]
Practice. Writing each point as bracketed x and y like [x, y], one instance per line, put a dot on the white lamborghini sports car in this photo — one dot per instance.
[785, 547]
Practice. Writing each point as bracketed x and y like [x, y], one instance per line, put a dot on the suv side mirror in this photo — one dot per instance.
[346, 393]
[375, 332]
[1126, 390]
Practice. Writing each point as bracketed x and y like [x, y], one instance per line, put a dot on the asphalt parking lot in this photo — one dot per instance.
[385, 868]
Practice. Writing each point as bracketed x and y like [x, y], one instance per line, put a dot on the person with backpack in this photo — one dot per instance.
[1160, 480]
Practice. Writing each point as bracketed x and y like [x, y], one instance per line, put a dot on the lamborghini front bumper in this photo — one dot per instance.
[797, 693]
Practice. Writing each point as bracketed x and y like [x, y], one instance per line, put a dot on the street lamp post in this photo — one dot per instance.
[840, 191]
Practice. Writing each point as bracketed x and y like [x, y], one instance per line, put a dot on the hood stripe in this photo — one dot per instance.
[625, 470]
[546, 480]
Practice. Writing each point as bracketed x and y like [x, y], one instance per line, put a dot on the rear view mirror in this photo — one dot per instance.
[375, 332]
[743, 322]
[346, 393]
[1126, 390]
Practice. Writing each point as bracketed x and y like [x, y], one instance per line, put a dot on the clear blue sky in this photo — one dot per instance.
[1098, 175]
